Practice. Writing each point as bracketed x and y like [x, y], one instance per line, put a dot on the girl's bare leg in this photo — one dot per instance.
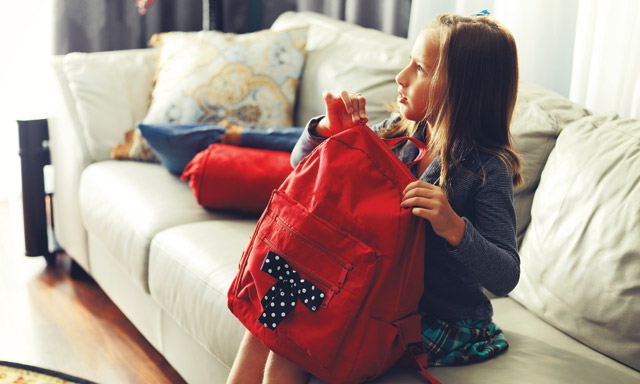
[248, 368]
[280, 370]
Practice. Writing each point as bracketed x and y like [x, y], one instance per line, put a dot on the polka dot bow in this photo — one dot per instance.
[284, 294]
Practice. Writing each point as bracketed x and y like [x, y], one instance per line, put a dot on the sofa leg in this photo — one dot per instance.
[51, 259]
[77, 272]
[73, 269]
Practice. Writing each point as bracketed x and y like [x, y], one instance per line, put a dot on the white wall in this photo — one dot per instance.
[545, 49]
[585, 50]
[26, 40]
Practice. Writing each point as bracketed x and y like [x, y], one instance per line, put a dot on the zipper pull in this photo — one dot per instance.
[343, 274]
[333, 291]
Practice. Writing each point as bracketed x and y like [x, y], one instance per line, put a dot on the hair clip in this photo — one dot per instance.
[482, 13]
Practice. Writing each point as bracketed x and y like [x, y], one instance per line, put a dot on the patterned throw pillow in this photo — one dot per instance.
[135, 147]
[209, 76]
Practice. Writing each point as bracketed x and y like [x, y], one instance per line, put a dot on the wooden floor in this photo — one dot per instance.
[52, 321]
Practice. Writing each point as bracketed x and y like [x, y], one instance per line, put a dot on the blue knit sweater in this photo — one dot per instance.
[488, 255]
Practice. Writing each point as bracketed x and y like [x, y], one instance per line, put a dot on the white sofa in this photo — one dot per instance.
[166, 262]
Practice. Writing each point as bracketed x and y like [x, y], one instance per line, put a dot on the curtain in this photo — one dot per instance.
[104, 25]
[606, 66]
[240, 16]
[584, 50]
[390, 16]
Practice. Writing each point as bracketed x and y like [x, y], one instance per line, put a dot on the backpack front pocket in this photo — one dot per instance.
[310, 278]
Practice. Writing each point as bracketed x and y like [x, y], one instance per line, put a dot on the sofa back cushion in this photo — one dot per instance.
[581, 253]
[111, 92]
[539, 117]
[343, 56]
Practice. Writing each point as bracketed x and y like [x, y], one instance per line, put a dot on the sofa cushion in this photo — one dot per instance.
[190, 270]
[539, 116]
[538, 353]
[126, 203]
[580, 255]
[209, 76]
[191, 267]
[343, 56]
[110, 91]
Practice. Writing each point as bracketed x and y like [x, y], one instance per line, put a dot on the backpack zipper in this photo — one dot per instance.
[332, 289]
[346, 266]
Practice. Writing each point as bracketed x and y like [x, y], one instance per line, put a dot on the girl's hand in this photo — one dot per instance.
[430, 202]
[343, 112]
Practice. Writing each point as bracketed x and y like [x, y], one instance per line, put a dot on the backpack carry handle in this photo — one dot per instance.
[422, 147]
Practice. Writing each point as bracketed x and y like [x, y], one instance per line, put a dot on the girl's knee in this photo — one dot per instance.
[281, 370]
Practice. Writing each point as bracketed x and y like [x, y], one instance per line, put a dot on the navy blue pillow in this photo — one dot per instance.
[176, 144]
[280, 139]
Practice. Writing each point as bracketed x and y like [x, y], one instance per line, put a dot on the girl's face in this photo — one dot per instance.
[414, 81]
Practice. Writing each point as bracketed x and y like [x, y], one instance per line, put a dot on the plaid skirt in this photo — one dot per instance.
[461, 342]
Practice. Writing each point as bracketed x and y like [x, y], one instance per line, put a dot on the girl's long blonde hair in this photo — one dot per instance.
[479, 66]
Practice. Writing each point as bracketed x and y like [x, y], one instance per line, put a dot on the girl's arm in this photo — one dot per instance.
[307, 141]
[488, 247]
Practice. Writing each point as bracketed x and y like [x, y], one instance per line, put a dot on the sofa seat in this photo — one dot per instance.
[191, 267]
[538, 353]
[127, 203]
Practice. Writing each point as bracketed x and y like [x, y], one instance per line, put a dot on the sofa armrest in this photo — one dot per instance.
[69, 156]
[98, 96]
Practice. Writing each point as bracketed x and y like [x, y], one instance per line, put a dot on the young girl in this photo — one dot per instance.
[457, 94]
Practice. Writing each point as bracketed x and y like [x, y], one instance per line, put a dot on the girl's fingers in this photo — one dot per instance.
[422, 195]
[418, 184]
[417, 198]
[346, 98]
[419, 192]
[355, 104]
[422, 213]
[422, 202]
[355, 114]
[332, 100]
[328, 96]
[344, 110]
[359, 112]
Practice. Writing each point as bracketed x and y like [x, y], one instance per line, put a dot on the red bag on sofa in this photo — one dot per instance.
[236, 178]
[333, 274]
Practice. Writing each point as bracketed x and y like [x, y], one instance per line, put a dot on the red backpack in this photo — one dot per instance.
[333, 273]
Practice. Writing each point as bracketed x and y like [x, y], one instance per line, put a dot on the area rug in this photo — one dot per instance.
[13, 373]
